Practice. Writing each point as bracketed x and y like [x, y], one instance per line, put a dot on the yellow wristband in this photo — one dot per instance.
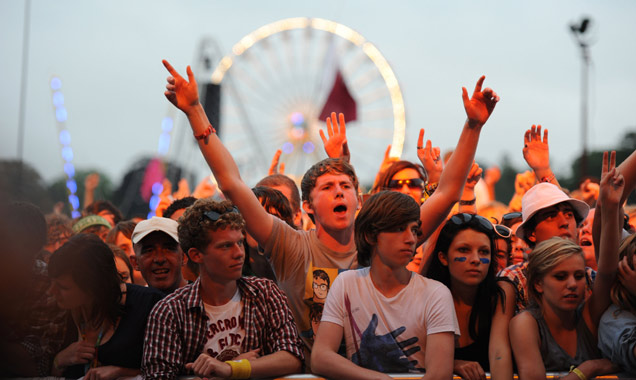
[578, 373]
[242, 369]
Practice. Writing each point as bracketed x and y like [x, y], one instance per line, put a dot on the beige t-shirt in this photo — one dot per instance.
[305, 269]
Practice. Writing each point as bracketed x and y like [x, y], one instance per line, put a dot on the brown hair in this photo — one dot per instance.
[328, 165]
[283, 180]
[384, 211]
[194, 225]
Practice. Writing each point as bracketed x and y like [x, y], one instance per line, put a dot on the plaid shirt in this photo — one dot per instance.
[175, 334]
[517, 275]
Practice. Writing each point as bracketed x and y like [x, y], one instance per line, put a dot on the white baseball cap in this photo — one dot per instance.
[165, 225]
[542, 196]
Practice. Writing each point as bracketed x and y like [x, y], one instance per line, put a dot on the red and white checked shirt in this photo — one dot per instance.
[175, 334]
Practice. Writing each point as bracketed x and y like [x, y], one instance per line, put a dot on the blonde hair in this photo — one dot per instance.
[545, 256]
[620, 295]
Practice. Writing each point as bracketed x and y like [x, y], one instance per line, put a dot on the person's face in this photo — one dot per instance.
[159, 259]
[108, 216]
[557, 220]
[321, 288]
[221, 260]
[586, 242]
[123, 270]
[395, 249]
[563, 287]
[414, 191]
[501, 254]
[67, 293]
[333, 202]
[468, 257]
[125, 244]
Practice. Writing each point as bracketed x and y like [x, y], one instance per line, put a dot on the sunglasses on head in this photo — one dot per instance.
[464, 218]
[214, 216]
[503, 231]
[510, 216]
[412, 183]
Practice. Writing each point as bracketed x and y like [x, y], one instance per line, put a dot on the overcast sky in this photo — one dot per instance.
[108, 55]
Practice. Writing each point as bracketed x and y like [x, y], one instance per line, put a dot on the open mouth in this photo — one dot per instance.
[341, 209]
[161, 271]
[585, 243]
[571, 296]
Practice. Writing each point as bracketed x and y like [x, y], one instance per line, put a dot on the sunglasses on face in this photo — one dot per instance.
[412, 183]
[214, 216]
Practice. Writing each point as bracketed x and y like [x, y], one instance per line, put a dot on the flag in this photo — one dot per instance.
[339, 101]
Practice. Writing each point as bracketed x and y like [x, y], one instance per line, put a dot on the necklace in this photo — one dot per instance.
[94, 363]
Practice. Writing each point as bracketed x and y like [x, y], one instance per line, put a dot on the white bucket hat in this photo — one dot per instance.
[544, 195]
[165, 225]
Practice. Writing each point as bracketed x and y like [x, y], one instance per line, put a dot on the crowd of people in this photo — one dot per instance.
[428, 275]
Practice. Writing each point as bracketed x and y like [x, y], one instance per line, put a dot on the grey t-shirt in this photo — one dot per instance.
[305, 269]
[617, 338]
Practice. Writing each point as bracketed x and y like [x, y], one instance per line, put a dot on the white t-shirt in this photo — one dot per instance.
[226, 329]
[389, 334]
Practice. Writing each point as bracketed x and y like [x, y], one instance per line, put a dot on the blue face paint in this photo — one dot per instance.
[460, 259]
[484, 260]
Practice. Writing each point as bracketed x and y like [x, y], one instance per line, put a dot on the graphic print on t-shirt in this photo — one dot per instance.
[317, 286]
[382, 353]
[225, 329]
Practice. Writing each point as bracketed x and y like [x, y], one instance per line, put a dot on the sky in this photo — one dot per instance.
[108, 56]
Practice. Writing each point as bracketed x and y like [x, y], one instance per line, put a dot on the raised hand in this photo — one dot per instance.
[184, 94]
[204, 189]
[91, 181]
[183, 189]
[589, 191]
[336, 144]
[387, 161]
[430, 158]
[274, 168]
[536, 152]
[612, 182]
[206, 366]
[480, 106]
[523, 182]
[473, 176]
[492, 175]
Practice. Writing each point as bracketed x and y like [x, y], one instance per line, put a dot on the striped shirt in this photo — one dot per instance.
[176, 330]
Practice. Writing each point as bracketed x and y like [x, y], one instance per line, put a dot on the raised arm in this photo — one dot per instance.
[536, 152]
[185, 96]
[478, 109]
[612, 185]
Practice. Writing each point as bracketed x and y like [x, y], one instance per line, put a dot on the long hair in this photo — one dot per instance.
[545, 256]
[385, 178]
[620, 295]
[91, 265]
[481, 313]
[384, 211]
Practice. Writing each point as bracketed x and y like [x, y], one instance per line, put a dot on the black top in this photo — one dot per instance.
[477, 351]
[125, 347]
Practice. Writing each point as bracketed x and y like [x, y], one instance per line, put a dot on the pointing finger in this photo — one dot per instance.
[478, 85]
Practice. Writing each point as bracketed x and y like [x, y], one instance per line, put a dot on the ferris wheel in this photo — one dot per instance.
[274, 86]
